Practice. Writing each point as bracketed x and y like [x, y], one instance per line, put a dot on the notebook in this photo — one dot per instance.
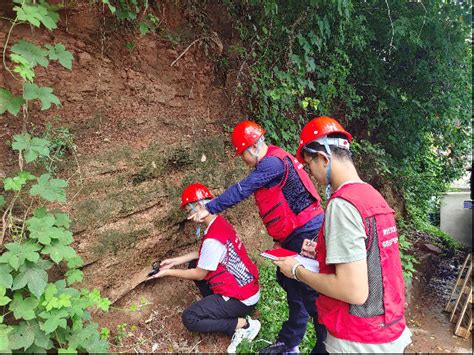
[308, 263]
[274, 254]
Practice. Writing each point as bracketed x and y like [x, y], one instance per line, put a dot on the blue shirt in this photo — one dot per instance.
[268, 173]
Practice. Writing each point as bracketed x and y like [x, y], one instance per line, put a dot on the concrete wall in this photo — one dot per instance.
[455, 219]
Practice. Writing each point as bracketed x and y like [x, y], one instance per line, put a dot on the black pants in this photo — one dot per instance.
[213, 314]
[301, 304]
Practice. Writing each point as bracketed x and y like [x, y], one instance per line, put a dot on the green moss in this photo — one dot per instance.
[94, 212]
[115, 241]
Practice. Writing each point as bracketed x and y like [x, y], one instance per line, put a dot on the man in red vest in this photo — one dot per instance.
[361, 286]
[289, 206]
[225, 275]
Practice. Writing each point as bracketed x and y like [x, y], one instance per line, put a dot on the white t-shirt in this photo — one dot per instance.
[212, 253]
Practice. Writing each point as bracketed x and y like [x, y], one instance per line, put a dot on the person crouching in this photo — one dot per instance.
[223, 272]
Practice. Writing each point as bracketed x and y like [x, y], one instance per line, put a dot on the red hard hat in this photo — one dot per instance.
[193, 193]
[318, 128]
[245, 134]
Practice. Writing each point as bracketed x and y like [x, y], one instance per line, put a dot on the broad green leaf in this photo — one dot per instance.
[38, 14]
[17, 182]
[52, 12]
[41, 228]
[78, 309]
[88, 338]
[50, 189]
[143, 28]
[33, 276]
[58, 251]
[4, 299]
[28, 13]
[24, 67]
[73, 276]
[62, 235]
[67, 351]
[41, 338]
[58, 52]
[64, 300]
[51, 300]
[33, 147]
[112, 8]
[62, 220]
[104, 304]
[6, 278]
[75, 262]
[13, 184]
[21, 336]
[44, 94]
[23, 308]
[50, 292]
[35, 349]
[54, 319]
[4, 342]
[17, 253]
[2, 201]
[40, 212]
[31, 53]
[10, 103]
[26, 73]
[44, 264]
[96, 299]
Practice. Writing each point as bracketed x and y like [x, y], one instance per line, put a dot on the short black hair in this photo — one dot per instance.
[340, 153]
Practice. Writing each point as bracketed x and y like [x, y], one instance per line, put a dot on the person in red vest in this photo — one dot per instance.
[289, 206]
[360, 284]
[223, 272]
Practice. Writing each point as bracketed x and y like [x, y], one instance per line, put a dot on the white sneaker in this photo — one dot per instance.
[241, 334]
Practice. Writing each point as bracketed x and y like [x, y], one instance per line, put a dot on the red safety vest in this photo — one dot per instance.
[236, 276]
[381, 318]
[275, 212]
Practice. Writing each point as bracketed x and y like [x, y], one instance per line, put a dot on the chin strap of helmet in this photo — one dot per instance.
[259, 145]
[324, 141]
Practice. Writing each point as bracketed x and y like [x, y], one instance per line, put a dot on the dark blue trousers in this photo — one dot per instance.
[301, 303]
[212, 314]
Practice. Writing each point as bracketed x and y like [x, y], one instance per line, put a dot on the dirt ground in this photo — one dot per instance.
[432, 286]
[143, 130]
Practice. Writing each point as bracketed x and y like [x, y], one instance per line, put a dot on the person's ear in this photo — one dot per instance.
[325, 158]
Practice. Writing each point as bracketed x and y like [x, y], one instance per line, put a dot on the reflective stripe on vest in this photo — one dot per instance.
[381, 318]
[236, 276]
[280, 221]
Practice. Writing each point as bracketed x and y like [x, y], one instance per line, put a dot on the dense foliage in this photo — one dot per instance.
[397, 74]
